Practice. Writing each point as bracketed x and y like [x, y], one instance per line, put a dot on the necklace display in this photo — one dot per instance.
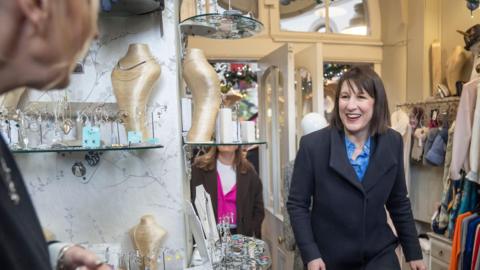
[120, 67]
[7, 180]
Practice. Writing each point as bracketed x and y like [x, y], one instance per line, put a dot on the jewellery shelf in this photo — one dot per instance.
[223, 144]
[81, 149]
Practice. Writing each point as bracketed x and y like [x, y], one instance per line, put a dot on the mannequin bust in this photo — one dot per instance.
[132, 80]
[475, 49]
[147, 237]
[455, 67]
[312, 122]
[203, 81]
[10, 99]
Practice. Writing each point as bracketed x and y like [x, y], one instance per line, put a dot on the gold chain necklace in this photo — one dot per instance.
[7, 180]
[119, 66]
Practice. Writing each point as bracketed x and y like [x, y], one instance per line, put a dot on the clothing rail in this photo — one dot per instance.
[428, 102]
[447, 108]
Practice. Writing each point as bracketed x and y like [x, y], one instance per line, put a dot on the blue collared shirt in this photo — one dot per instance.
[360, 164]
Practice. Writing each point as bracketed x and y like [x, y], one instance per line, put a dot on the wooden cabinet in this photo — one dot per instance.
[436, 264]
[440, 252]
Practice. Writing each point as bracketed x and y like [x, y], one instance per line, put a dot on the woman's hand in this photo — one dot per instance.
[417, 265]
[79, 258]
[317, 264]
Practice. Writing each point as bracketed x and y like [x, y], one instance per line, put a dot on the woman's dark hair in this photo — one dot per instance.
[208, 161]
[365, 79]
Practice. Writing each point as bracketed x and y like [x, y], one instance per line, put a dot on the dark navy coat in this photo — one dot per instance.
[347, 225]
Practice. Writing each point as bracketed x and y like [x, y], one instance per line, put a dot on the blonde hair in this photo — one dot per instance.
[207, 162]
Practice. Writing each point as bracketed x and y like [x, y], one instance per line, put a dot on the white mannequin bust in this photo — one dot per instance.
[312, 122]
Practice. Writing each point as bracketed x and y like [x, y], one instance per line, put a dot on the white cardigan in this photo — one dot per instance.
[475, 141]
[463, 131]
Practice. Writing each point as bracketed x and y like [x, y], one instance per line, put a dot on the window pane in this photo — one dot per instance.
[349, 17]
[344, 16]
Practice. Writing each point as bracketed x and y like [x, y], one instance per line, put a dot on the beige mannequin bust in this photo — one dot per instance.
[455, 68]
[10, 99]
[132, 80]
[475, 49]
[147, 237]
[203, 81]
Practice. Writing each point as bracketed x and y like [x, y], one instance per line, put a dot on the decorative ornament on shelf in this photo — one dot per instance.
[334, 71]
[237, 76]
[472, 5]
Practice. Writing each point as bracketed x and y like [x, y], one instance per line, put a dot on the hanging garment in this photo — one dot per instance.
[455, 206]
[432, 134]
[436, 154]
[469, 197]
[469, 242]
[463, 130]
[440, 222]
[472, 175]
[476, 249]
[457, 241]
[463, 233]
[419, 138]
[401, 123]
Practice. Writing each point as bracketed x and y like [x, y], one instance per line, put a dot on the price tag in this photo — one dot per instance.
[135, 137]
[153, 140]
[91, 137]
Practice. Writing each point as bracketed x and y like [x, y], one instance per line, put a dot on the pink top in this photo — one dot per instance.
[226, 203]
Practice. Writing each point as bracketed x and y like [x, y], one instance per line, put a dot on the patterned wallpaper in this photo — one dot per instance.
[111, 198]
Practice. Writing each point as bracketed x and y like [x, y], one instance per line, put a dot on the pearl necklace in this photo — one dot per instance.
[7, 180]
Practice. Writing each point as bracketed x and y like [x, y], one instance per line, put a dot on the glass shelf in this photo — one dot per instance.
[81, 149]
[220, 144]
[228, 25]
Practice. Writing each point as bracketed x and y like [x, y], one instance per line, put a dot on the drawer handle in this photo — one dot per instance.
[440, 253]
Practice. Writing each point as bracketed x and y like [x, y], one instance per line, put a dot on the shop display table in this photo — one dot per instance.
[242, 253]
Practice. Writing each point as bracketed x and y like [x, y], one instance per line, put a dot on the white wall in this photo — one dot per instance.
[126, 184]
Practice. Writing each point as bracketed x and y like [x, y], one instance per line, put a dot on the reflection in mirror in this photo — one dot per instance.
[276, 132]
[245, 6]
[344, 16]
[269, 82]
[303, 90]
[303, 97]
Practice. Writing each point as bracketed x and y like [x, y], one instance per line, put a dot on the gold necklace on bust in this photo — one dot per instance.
[120, 67]
[7, 180]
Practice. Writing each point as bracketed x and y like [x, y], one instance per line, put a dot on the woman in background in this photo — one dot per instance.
[234, 187]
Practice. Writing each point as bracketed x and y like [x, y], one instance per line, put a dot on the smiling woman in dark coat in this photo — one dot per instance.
[352, 170]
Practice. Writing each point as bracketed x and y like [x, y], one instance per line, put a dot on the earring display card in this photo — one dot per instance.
[91, 137]
[196, 228]
[135, 137]
[203, 204]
